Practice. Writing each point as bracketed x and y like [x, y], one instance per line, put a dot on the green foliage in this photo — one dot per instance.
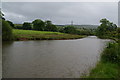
[18, 26]
[27, 26]
[73, 30]
[108, 66]
[104, 70]
[38, 25]
[105, 27]
[112, 27]
[50, 27]
[111, 53]
[70, 29]
[118, 30]
[11, 24]
[118, 33]
[85, 31]
[6, 31]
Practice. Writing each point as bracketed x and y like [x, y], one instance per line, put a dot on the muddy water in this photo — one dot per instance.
[51, 58]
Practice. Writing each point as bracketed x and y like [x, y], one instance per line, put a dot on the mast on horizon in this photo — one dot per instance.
[71, 23]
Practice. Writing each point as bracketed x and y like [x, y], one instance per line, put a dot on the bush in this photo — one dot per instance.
[50, 27]
[11, 24]
[27, 26]
[6, 31]
[38, 25]
[111, 53]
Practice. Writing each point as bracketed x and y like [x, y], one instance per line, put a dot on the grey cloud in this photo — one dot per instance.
[61, 12]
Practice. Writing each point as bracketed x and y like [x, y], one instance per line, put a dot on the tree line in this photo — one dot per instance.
[37, 24]
[40, 25]
[106, 28]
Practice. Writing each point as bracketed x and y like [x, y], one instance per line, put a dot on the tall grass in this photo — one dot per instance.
[111, 53]
[109, 65]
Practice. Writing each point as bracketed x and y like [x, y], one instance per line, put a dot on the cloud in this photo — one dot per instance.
[61, 12]
[60, 0]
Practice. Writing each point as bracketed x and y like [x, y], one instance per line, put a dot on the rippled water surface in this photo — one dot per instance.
[51, 58]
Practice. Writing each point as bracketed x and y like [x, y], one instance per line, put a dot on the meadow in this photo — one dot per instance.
[42, 35]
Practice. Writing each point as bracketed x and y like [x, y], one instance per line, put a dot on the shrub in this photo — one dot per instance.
[11, 24]
[50, 27]
[6, 31]
[111, 53]
[27, 26]
[38, 25]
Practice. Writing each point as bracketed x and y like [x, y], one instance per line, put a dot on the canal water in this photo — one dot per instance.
[51, 58]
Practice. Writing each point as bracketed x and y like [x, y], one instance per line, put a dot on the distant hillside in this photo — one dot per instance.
[86, 26]
[81, 26]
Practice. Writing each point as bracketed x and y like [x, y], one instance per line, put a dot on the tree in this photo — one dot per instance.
[54, 28]
[6, 31]
[118, 33]
[38, 25]
[105, 27]
[49, 26]
[27, 26]
[11, 24]
[112, 27]
[70, 29]
[19, 27]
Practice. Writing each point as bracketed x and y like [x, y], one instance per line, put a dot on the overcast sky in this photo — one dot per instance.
[61, 12]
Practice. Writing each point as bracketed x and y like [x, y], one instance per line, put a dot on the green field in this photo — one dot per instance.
[42, 35]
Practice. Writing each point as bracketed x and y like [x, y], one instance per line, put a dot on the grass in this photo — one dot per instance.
[104, 70]
[42, 35]
[108, 66]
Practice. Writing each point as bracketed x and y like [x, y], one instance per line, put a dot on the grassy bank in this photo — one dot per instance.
[109, 64]
[42, 35]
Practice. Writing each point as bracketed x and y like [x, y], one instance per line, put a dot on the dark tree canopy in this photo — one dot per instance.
[38, 24]
[6, 31]
[27, 26]
[106, 26]
[49, 26]
[11, 24]
[44, 26]
[70, 29]
[118, 32]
